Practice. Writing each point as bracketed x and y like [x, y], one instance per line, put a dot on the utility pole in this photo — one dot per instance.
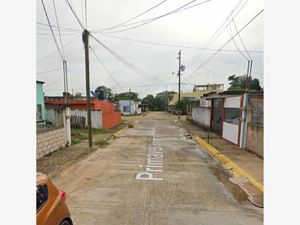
[247, 76]
[85, 39]
[129, 101]
[167, 98]
[179, 73]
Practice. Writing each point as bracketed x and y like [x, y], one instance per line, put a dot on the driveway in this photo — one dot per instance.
[154, 174]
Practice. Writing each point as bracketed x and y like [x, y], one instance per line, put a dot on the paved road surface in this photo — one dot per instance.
[194, 190]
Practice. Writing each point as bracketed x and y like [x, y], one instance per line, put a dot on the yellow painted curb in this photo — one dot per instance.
[227, 163]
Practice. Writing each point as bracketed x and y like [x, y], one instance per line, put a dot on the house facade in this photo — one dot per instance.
[40, 103]
[130, 107]
[234, 116]
[197, 93]
[105, 114]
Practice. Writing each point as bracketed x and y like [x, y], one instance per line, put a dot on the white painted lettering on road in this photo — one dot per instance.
[154, 164]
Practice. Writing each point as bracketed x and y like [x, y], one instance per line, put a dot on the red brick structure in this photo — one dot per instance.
[111, 115]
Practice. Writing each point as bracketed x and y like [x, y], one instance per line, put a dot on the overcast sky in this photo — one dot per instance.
[192, 27]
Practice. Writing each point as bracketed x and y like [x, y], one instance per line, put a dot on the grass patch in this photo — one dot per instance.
[101, 142]
[83, 137]
[94, 130]
[75, 141]
[130, 125]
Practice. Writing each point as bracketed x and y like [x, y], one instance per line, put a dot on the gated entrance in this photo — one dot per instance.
[217, 106]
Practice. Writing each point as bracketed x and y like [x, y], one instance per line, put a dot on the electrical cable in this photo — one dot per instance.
[231, 35]
[82, 11]
[61, 44]
[85, 15]
[112, 77]
[52, 30]
[179, 9]
[124, 61]
[53, 82]
[70, 29]
[140, 14]
[241, 40]
[74, 13]
[223, 26]
[47, 56]
[172, 45]
[48, 71]
[213, 55]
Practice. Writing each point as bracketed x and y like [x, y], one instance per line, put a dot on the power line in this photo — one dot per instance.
[70, 29]
[234, 63]
[48, 71]
[85, 14]
[47, 56]
[241, 39]
[61, 44]
[179, 9]
[55, 29]
[82, 11]
[54, 34]
[47, 85]
[74, 13]
[124, 61]
[223, 26]
[112, 77]
[213, 55]
[171, 45]
[231, 35]
[140, 14]
[52, 30]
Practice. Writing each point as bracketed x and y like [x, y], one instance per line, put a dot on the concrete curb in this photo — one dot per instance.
[123, 129]
[227, 163]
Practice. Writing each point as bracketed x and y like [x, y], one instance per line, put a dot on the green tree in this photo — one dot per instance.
[240, 83]
[127, 96]
[102, 92]
[150, 101]
[182, 105]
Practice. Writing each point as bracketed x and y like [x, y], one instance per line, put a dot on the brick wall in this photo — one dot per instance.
[49, 141]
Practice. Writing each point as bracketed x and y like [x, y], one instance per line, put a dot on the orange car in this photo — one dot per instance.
[51, 208]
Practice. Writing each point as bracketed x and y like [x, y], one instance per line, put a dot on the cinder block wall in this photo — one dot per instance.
[50, 141]
[255, 139]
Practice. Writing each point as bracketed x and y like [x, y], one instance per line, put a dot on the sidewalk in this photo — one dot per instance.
[245, 161]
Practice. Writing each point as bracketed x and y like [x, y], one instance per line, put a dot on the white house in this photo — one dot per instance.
[130, 107]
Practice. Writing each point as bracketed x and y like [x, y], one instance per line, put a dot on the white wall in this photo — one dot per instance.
[201, 116]
[134, 107]
[96, 117]
[232, 102]
[230, 132]
[204, 102]
[54, 116]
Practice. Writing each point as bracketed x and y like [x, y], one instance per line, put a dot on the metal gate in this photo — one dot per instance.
[217, 116]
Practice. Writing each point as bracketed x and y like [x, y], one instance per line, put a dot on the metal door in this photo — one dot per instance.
[217, 107]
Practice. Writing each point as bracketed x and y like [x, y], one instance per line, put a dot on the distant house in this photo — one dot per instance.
[105, 114]
[130, 107]
[40, 103]
[198, 91]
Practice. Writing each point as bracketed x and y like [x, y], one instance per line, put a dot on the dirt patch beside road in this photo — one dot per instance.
[57, 161]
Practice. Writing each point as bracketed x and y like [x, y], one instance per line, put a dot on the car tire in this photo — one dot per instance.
[65, 222]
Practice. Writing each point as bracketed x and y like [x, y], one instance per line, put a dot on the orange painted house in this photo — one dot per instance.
[111, 114]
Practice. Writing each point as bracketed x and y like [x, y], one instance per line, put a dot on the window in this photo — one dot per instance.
[125, 108]
[232, 116]
[41, 196]
[39, 112]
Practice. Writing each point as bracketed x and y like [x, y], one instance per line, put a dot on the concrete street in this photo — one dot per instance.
[153, 174]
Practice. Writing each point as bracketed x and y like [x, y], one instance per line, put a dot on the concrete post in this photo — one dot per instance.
[67, 125]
